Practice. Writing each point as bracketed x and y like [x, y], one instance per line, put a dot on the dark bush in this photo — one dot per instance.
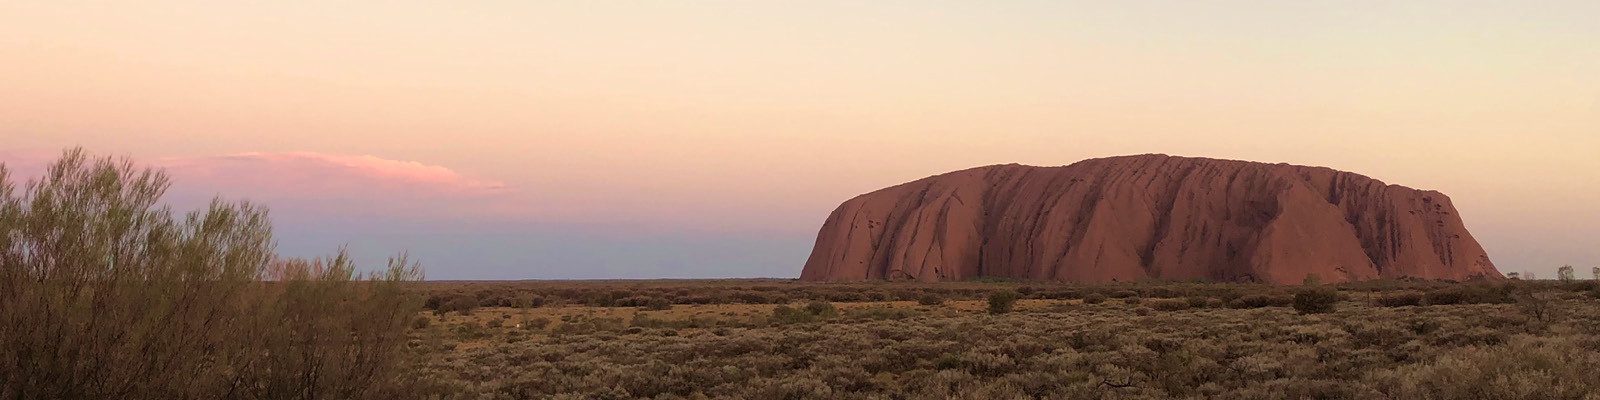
[783, 315]
[930, 300]
[536, 323]
[1120, 294]
[1399, 299]
[822, 309]
[463, 305]
[1261, 300]
[1001, 301]
[1172, 304]
[657, 304]
[1094, 298]
[1316, 300]
[1470, 294]
[1132, 300]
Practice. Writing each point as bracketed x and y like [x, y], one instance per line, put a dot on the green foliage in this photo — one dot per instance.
[1469, 294]
[108, 294]
[784, 314]
[1094, 298]
[1001, 301]
[1316, 300]
[930, 299]
[463, 305]
[1566, 274]
[1261, 300]
[1172, 304]
[812, 312]
[658, 304]
[822, 309]
[1399, 299]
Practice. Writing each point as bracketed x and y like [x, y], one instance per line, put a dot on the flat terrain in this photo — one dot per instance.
[1486, 340]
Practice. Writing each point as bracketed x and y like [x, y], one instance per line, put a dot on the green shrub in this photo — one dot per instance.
[105, 293]
[1197, 301]
[1132, 300]
[822, 309]
[470, 330]
[536, 323]
[783, 315]
[930, 300]
[1399, 299]
[1470, 294]
[657, 304]
[1001, 301]
[1261, 300]
[1316, 300]
[1171, 304]
[1094, 298]
[463, 305]
[1124, 294]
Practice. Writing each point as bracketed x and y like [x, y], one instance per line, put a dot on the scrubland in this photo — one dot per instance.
[1155, 340]
[107, 294]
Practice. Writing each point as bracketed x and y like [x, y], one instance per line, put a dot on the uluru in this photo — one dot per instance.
[1148, 217]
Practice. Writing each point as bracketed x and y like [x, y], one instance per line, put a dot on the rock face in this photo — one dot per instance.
[1149, 216]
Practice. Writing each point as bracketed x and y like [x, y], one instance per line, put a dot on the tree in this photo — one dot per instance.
[1513, 275]
[108, 294]
[1596, 272]
[1311, 280]
[1565, 273]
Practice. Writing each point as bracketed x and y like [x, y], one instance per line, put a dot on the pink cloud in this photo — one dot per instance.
[303, 169]
[309, 183]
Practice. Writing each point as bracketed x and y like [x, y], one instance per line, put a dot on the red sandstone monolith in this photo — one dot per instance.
[1148, 217]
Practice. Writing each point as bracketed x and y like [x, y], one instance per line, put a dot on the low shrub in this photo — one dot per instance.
[930, 300]
[1470, 294]
[1261, 300]
[536, 323]
[1172, 304]
[1316, 300]
[1094, 298]
[1399, 299]
[1000, 302]
[784, 315]
[658, 304]
[822, 309]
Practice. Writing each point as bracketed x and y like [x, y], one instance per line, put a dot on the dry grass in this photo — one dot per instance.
[1044, 348]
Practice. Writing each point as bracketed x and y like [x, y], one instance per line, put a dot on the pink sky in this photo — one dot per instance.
[703, 121]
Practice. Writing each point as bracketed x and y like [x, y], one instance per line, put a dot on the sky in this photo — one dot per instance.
[707, 139]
